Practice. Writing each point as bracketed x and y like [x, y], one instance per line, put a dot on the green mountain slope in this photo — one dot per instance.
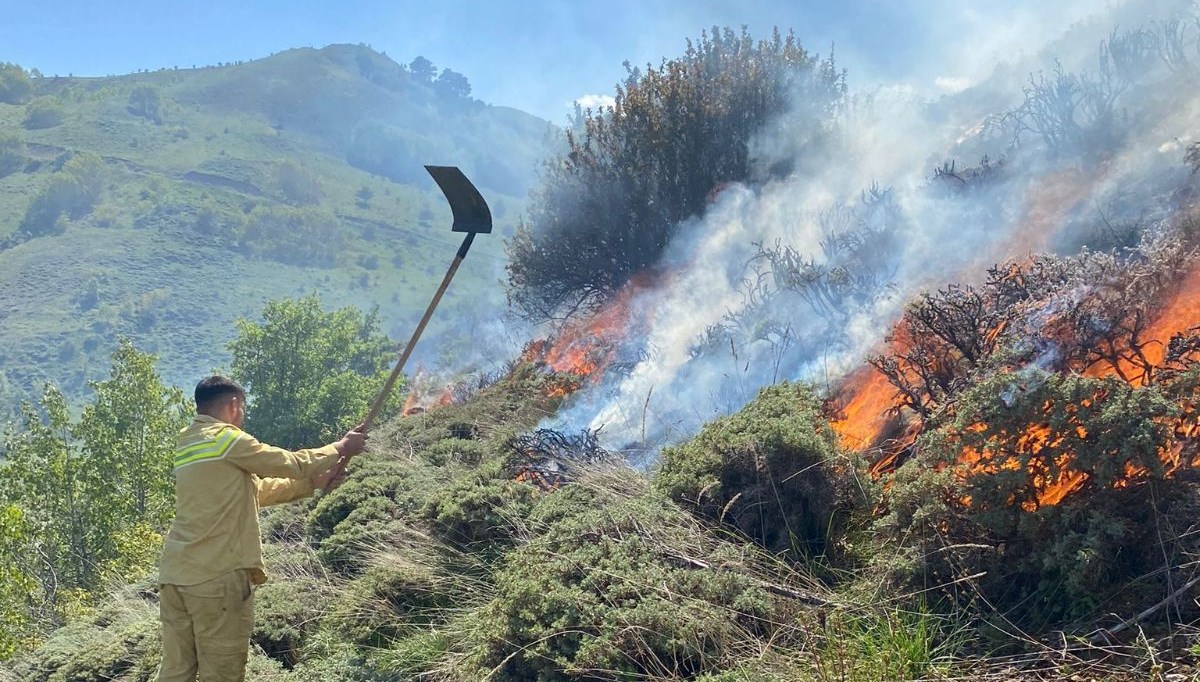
[224, 187]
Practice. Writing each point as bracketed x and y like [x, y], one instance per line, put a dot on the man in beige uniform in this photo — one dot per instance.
[212, 558]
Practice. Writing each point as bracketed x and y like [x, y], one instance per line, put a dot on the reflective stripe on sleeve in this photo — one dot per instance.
[206, 449]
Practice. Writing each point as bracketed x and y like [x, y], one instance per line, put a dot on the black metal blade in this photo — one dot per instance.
[471, 213]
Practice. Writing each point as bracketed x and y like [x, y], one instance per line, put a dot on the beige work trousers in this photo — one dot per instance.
[206, 629]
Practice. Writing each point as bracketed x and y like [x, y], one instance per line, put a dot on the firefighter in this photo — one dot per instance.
[212, 558]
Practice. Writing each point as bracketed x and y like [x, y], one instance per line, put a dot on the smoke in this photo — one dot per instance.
[800, 279]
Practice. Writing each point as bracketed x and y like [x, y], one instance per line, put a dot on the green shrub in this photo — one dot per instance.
[122, 641]
[43, 113]
[298, 236]
[367, 510]
[419, 653]
[390, 486]
[455, 451]
[70, 192]
[331, 657]
[287, 612]
[392, 600]
[480, 513]
[770, 470]
[606, 590]
[12, 154]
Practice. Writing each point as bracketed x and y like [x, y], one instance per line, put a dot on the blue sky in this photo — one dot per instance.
[537, 55]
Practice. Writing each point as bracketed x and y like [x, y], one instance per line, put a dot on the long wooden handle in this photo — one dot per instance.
[383, 394]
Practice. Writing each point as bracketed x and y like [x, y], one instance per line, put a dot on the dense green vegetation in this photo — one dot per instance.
[309, 371]
[86, 501]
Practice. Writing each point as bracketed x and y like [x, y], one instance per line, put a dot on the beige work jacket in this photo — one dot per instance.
[222, 476]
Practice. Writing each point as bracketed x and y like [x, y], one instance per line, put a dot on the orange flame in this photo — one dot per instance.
[585, 348]
[869, 396]
[869, 399]
[421, 387]
[1049, 203]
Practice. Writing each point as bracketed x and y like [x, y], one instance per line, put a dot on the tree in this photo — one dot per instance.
[15, 86]
[633, 172]
[310, 374]
[146, 101]
[94, 496]
[452, 85]
[422, 70]
[363, 197]
[42, 477]
[127, 435]
[15, 583]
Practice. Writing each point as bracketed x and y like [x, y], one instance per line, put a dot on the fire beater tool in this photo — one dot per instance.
[471, 216]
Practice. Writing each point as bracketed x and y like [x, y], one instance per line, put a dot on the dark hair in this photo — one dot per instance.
[214, 389]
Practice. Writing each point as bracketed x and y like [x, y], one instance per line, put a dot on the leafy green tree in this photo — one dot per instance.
[452, 84]
[42, 113]
[15, 86]
[127, 434]
[16, 585]
[422, 70]
[43, 477]
[631, 174]
[146, 101]
[310, 374]
[94, 496]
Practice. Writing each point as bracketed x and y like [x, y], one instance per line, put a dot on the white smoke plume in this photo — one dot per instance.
[723, 319]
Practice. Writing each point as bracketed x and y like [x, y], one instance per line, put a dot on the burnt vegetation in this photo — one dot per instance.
[1050, 430]
[632, 173]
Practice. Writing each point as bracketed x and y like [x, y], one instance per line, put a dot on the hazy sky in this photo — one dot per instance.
[537, 55]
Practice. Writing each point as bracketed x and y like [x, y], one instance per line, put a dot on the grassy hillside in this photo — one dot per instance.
[224, 187]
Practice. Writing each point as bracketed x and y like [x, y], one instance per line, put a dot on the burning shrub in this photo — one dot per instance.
[1093, 313]
[769, 470]
[549, 458]
[1040, 480]
[631, 173]
[962, 181]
